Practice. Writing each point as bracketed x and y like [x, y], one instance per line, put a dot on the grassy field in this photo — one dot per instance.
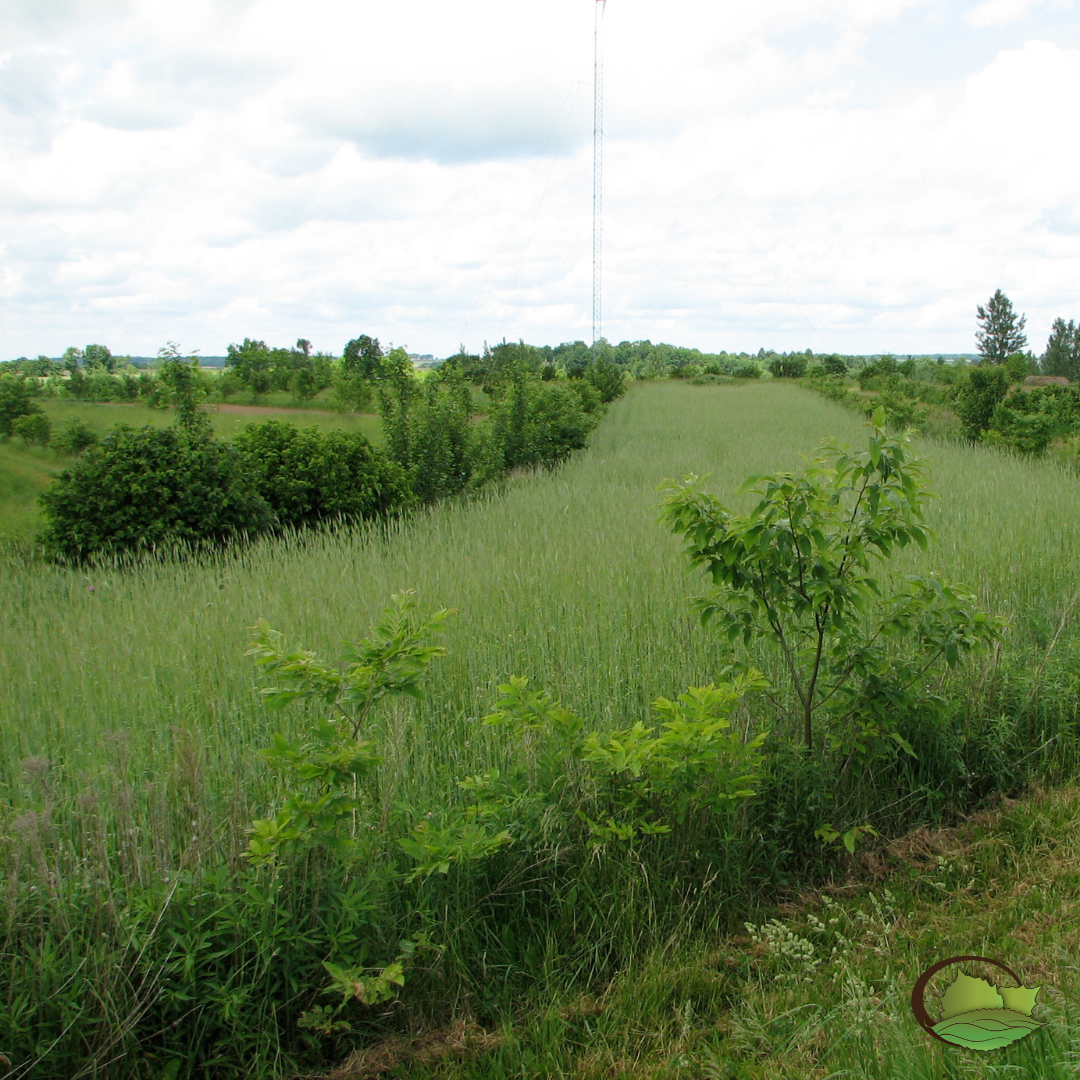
[133, 686]
[325, 399]
[566, 578]
[25, 472]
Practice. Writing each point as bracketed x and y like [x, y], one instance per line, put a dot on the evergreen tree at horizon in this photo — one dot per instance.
[1062, 356]
[1001, 331]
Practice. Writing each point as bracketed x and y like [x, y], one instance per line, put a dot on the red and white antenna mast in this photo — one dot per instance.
[598, 168]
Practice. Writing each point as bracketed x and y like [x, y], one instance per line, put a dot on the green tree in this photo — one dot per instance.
[1062, 356]
[440, 443]
[185, 389]
[397, 391]
[252, 362]
[363, 357]
[1001, 331]
[472, 366]
[303, 385]
[16, 399]
[506, 357]
[796, 572]
[1018, 365]
[533, 422]
[98, 356]
[352, 391]
[978, 394]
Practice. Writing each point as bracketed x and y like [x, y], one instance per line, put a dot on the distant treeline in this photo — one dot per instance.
[264, 368]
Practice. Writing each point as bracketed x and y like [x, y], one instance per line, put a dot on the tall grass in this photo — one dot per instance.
[130, 719]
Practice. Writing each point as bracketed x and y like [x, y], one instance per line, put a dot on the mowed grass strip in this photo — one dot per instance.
[565, 578]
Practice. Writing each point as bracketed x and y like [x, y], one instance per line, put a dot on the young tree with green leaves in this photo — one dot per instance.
[796, 572]
[303, 384]
[398, 389]
[1001, 330]
[185, 389]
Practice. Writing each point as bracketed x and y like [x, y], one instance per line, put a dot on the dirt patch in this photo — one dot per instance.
[462, 1039]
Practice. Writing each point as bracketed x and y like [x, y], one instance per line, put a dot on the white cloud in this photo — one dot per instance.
[1000, 12]
[996, 12]
[422, 172]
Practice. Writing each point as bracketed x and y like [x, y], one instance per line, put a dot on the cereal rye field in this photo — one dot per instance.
[127, 697]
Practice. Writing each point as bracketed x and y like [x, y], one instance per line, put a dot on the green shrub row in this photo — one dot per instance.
[148, 490]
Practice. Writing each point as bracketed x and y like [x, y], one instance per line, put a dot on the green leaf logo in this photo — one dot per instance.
[977, 1015]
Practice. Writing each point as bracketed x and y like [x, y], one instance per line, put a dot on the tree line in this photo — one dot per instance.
[144, 490]
[991, 399]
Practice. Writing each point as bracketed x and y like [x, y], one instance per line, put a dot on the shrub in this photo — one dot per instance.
[34, 429]
[901, 411]
[746, 369]
[75, 437]
[978, 395]
[1029, 419]
[149, 488]
[1028, 433]
[440, 443]
[883, 366]
[714, 380]
[587, 392]
[833, 388]
[352, 391]
[537, 423]
[788, 367]
[1019, 367]
[306, 476]
[607, 377]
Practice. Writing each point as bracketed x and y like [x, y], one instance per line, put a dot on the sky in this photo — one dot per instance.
[842, 175]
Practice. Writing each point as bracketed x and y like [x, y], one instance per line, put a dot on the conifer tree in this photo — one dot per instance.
[1001, 332]
[1062, 356]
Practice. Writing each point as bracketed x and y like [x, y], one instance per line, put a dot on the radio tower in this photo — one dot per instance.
[598, 169]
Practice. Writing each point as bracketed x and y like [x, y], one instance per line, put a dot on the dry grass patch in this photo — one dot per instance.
[463, 1039]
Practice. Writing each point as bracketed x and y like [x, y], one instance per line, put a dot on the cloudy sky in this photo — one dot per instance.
[843, 175]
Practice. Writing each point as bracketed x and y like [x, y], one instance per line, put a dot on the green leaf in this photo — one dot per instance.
[986, 1029]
